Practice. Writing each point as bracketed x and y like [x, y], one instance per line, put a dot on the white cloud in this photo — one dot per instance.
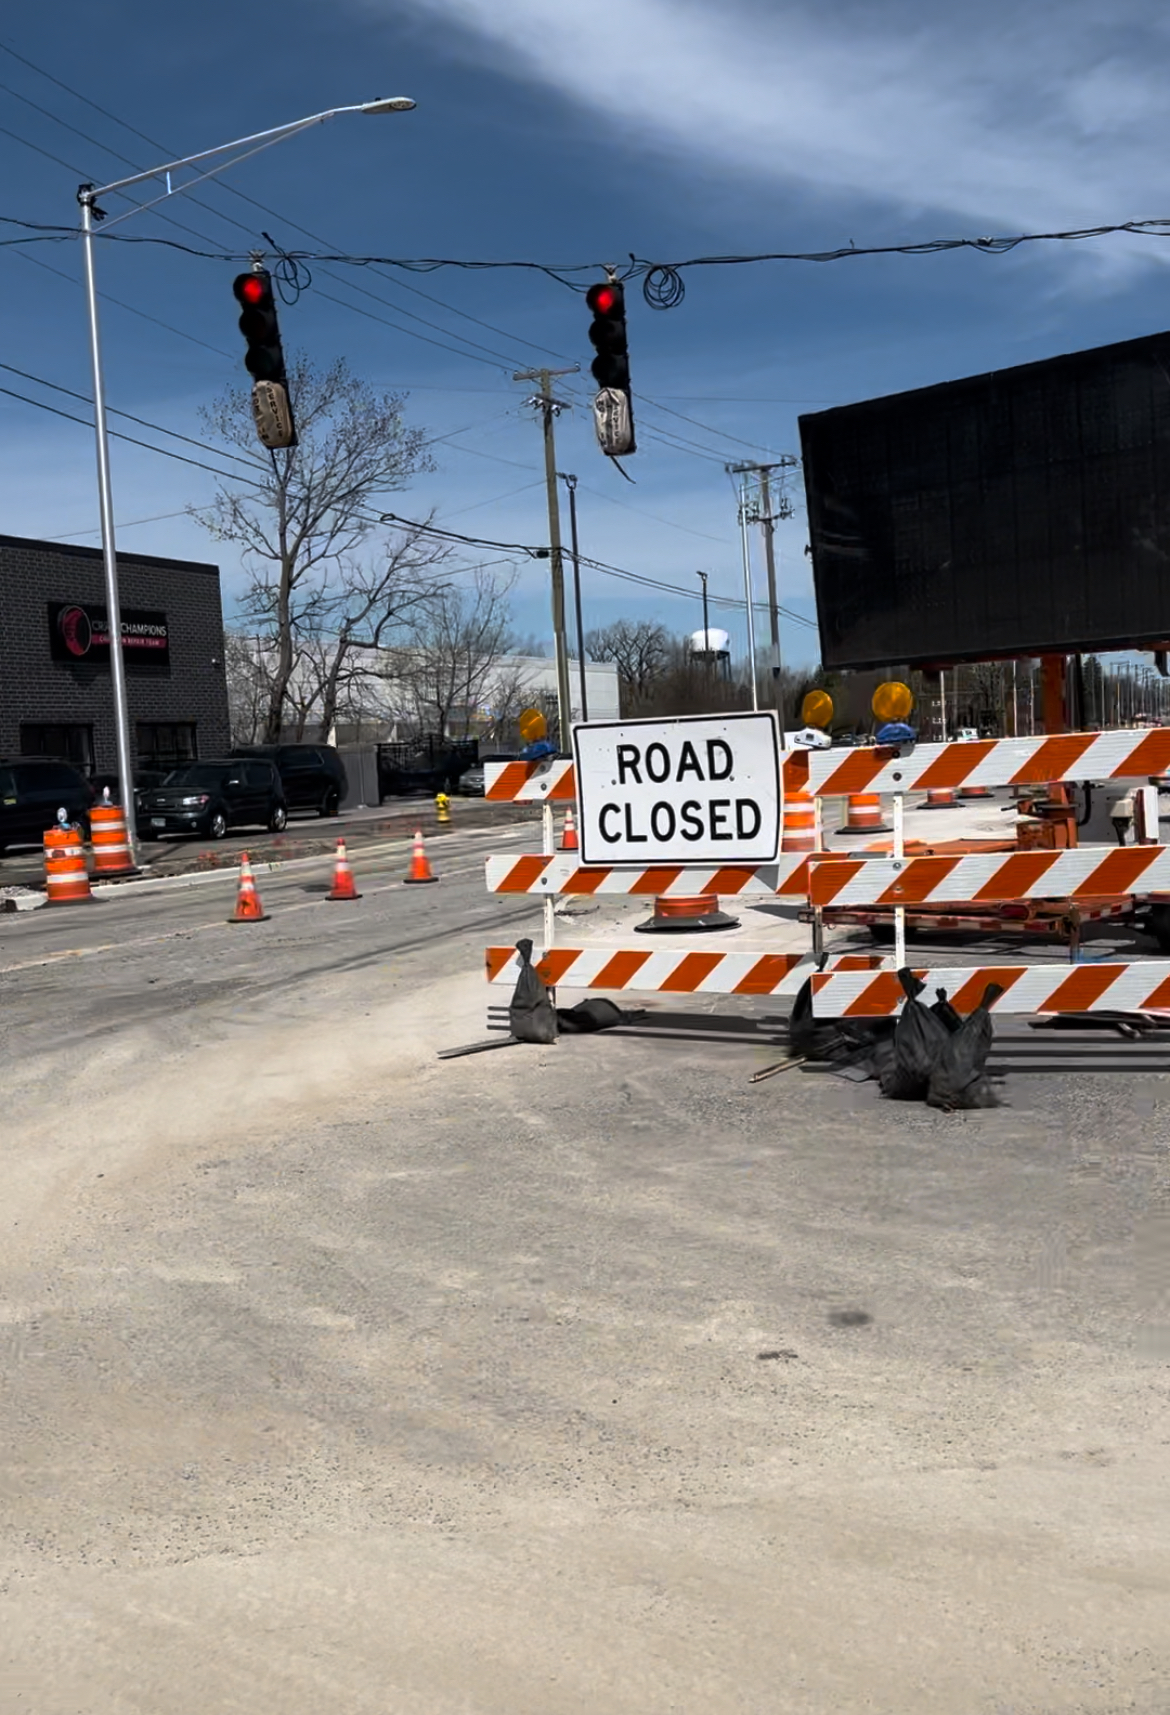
[1001, 115]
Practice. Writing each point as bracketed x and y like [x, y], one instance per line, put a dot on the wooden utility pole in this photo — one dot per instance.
[767, 521]
[549, 409]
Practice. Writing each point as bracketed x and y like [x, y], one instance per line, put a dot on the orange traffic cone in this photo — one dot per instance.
[344, 886]
[569, 841]
[420, 864]
[940, 798]
[248, 906]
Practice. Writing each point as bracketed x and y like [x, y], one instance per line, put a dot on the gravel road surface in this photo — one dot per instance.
[581, 1379]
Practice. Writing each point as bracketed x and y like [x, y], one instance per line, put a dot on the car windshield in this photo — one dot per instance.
[196, 774]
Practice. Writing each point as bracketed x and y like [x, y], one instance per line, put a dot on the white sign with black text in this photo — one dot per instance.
[703, 789]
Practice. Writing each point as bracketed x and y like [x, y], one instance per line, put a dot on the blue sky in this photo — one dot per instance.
[577, 131]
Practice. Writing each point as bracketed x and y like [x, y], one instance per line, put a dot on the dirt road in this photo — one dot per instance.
[588, 1378]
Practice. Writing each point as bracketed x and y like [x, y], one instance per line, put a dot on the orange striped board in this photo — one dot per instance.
[1085, 873]
[553, 780]
[1121, 755]
[1141, 987]
[561, 873]
[665, 970]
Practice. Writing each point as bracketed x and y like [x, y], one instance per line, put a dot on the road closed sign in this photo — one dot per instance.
[704, 790]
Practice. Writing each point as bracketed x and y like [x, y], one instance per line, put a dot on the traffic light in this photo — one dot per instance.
[613, 412]
[264, 359]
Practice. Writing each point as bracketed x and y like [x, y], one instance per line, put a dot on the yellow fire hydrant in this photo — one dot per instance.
[442, 808]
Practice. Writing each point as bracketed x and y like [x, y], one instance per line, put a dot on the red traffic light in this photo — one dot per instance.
[604, 300]
[251, 288]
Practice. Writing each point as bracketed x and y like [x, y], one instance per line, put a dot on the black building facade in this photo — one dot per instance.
[56, 695]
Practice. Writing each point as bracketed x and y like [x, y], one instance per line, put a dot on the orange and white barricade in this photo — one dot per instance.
[856, 984]
[1140, 987]
[669, 970]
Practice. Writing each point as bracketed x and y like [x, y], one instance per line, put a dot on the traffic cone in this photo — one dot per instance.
[248, 906]
[420, 864]
[569, 841]
[940, 798]
[344, 886]
[976, 792]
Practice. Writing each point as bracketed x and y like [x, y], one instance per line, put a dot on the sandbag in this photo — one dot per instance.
[810, 1037]
[919, 1039]
[531, 1014]
[959, 1080]
[596, 1013]
[942, 1009]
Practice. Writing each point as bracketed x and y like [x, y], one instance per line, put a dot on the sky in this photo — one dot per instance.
[570, 132]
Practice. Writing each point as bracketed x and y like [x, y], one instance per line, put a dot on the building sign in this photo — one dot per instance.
[80, 632]
[704, 789]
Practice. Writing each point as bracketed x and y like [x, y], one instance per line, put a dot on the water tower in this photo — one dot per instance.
[713, 647]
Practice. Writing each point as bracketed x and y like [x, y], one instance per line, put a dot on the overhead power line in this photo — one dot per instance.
[662, 282]
[539, 552]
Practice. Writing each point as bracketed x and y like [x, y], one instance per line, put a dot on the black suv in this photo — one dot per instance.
[313, 775]
[32, 790]
[211, 797]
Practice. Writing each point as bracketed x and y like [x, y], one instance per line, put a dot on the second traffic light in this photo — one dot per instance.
[264, 359]
[613, 408]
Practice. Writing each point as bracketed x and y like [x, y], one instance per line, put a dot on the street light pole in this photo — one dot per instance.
[706, 625]
[87, 197]
[747, 591]
[109, 546]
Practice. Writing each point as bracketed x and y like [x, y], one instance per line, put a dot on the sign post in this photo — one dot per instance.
[700, 789]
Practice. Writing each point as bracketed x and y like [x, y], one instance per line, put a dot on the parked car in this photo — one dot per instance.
[208, 798]
[473, 782]
[32, 790]
[312, 775]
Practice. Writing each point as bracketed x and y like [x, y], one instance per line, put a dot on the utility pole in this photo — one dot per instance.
[570, 483]
[759, 510]
[706, 625]
[550, 409]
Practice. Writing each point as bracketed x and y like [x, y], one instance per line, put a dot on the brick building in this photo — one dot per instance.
[56, 697]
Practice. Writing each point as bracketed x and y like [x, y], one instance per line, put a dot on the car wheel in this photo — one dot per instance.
[331, 803]
[217, 825]
[278, 821]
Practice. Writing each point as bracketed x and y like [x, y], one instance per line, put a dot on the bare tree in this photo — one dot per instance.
[302, 515]
[455, 640]
[357, 614]
[640, 649]
[248, 689]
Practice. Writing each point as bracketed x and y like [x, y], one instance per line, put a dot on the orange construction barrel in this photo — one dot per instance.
[111, 847]
[66, 880]
[800, 821]
[695, 911]
[864, 814]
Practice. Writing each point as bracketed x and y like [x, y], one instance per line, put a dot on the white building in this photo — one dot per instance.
[535, 676]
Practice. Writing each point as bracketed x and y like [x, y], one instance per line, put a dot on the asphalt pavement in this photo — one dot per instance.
[553, 1380]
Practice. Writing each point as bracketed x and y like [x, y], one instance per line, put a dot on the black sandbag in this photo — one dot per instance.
[960, 1080]
[531, 1014]
[810, 1037]
[919, 1040]
[943, 1009]
[596, 1013]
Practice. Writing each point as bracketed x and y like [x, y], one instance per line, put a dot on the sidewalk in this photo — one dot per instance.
[304, 837]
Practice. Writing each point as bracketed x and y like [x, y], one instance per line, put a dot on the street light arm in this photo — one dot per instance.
[275, 134]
